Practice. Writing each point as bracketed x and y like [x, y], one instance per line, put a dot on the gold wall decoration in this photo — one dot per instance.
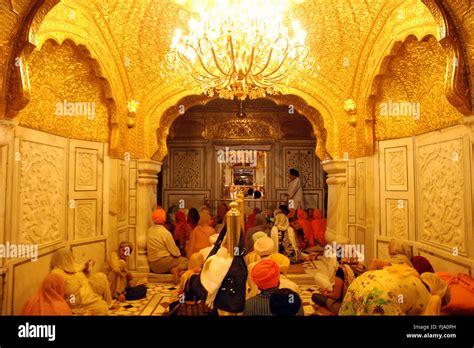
[66, 96]
[351, 39]
[412, 97]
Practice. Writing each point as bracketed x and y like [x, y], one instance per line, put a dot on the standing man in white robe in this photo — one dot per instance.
[295, 189]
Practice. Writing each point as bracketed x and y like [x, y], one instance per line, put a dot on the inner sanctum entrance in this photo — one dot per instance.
[224, 147]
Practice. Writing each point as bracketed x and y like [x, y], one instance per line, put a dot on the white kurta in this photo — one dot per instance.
[295, 192]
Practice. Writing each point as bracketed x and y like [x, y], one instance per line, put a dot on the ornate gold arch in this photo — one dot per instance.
[299, 104]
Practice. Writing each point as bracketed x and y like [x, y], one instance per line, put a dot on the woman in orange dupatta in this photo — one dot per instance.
[182, 231]
[199, 238]
[306, 226]
[49, 300]
[319, 227]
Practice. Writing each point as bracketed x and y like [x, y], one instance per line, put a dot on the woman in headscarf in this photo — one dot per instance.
[196, 261]
[182, 231]
[395, 290]
[49, 300]
[199, 238]
[318, 225]
[284, 238]
[400, 252]
[306, 226]
[85, 295]
[193, 218]
[117, 270]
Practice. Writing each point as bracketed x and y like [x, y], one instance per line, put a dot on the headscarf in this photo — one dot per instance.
[264, 246]
[421, 264]
[49, 300]
[205, 218]
[64, 260]
[250, 222]
[400, 252]
[276, 212]
[306, 226]
[159, 216]
[438, 289]
[180, 227]
[282, 261]
[319, 226]
[281, 222]
[193, 217]
[195, 261]
[266, 274]
[124, 244]
[258, 235]
[260, 220]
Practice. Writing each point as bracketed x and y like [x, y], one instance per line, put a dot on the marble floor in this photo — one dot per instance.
[160, 295]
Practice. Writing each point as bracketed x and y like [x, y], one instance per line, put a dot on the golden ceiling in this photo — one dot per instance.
[353, 42]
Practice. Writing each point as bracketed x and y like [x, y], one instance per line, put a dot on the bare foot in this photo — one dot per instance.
[121, 298]
[175, 273]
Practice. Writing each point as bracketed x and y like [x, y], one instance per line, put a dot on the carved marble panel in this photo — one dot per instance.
[360, 191]
[441, 194]
[41, 192]
[396, 169]
[186, 168]
[86, 169]
[85, 216]
[397, 218]
[303, 160]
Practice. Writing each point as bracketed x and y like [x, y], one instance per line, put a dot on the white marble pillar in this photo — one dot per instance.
[146, 204]
[337, 199]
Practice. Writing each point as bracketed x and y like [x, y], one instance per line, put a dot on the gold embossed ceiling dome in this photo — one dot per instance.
[240, 48]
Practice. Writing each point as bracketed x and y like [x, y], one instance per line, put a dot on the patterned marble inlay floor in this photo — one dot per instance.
[160, 295]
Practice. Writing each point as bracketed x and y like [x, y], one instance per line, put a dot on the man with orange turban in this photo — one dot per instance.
[266, 275]
[163, 254]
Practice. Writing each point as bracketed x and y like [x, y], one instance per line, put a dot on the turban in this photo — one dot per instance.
[159, 216]
[264, 246]
[266, 274]
[438, 289]
[282, 261]
[421, 264]
[258, 235]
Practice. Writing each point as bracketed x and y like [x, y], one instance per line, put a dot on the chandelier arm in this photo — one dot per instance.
[200, 59]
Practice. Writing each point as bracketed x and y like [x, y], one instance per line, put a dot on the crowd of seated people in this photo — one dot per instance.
[180, 242]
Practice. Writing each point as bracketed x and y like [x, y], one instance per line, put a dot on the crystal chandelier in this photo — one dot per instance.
[240, 49]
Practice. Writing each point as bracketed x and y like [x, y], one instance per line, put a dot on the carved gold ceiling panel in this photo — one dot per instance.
[350, 40]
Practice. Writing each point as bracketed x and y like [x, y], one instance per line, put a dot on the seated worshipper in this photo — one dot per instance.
[330, 301]
[283, 209]
[193, 218]
[199, 238]
[117, 270]
[266, 275]
[212, 239]
[253, 256]
[163, 254]
[182, 232]
[319, 224]
[421, 264]
[303, 221]
[400, 252]
[310, 212]
[85, 295]
[189, 304]
[263, 248]
[285, 303]
[194, 267]
[221, 217]
[251, 220]
[49, 300]
[395, 290]
[285, 241]
[284, 263]
[259, 226]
